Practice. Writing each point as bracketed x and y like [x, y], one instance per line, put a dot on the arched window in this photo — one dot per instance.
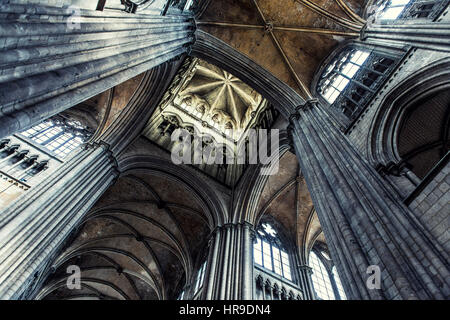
[352, 79]
[58, 135]
[339, 74]
[391, 10]
[340, 289]
[321, 278]
[326, 281]
[269, 253]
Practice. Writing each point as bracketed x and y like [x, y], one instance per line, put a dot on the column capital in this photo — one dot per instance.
[393, 168]
[248, 225]
[305, 268]
[308, 105]
[107, 148]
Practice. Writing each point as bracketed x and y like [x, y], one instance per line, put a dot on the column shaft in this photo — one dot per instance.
[230, 275]
[363, 219]
[54, 58]
[304, 273]
[421, 35]
[32, 229]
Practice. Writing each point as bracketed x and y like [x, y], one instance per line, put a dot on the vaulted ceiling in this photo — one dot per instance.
[225, 97]
[290, 38]
[140, 241]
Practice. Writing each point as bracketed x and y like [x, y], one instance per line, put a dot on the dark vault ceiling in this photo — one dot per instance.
[138, 242]
[424, 135]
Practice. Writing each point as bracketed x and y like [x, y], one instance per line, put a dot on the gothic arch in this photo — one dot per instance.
[213, 204]
[137, 231]
[382, 142]
[247, 198]
[217, 52]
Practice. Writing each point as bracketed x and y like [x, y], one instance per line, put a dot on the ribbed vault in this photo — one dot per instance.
[140, 241]
[288, 38]
[225, 98]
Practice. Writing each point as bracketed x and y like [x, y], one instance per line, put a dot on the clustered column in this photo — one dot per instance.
[431, 36]
[32, 229]
[230, 263]
[53, 58]
[304, 274]
[364, 220]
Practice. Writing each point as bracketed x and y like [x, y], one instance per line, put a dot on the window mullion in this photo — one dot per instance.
[271, 257]
[371, 70]
[281, 263]
[64, 143]
[42, 131]
[52, 138]
[355, 81]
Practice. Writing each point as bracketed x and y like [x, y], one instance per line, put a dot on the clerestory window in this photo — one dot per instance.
[352, 79]
[391, 10]
[340, 73]
[58, 135]
[339, 284]
[324, 279]
[269, 253]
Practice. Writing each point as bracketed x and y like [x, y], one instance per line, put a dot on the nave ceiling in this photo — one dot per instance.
[289, 38]
[138, 242]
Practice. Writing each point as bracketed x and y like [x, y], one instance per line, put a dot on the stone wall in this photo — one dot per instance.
[432, 206]
[414, 61]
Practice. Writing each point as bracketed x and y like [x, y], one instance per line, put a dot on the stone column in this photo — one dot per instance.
[305, 273]
[230, 270]
[364, 220]
[33, 228]
[53, 58]
[337, 295]
[434, 36]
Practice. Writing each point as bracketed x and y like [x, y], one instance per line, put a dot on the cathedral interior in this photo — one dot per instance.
[354, 203]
